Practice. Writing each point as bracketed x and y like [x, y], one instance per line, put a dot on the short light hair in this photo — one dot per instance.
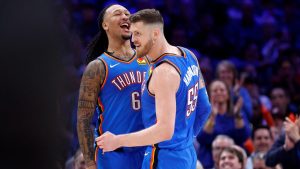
[148, 16]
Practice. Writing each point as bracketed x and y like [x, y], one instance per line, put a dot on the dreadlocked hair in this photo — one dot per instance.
[100, 42]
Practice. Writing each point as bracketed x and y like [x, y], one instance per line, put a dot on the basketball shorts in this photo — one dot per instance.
[119, 159]
[156, 158]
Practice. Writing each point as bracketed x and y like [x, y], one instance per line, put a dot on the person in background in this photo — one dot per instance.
[233, 157]
[225, 119]
[262, 140]
[220, 143]
[227, 72]
[285, 150]
[261, 103]
[281, 106]
[258, 161]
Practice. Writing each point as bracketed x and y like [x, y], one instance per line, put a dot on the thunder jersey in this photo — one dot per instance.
[119, 99]
[186, 98]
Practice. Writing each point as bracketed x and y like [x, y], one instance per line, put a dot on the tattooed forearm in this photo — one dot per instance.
[85, 104]
[86, 139]
[89, 89]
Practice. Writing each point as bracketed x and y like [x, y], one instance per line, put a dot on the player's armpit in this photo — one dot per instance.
[89, 88]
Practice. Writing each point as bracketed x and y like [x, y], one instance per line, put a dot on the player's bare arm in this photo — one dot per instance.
[164, 84]
[89, 89]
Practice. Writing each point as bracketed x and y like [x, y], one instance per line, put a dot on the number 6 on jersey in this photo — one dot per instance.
[135, 101]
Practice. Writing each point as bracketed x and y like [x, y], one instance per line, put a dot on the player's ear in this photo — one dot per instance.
[104, 26]
[155, 34]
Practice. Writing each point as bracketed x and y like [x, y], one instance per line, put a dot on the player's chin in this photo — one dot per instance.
[126, 36]
[140, 54]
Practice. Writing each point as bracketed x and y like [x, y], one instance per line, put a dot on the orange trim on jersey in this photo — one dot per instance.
[172, 64]
[106, 73]
[100, 125]
[181, 49]
[100, 104]
[96, 154]
[169, 62]
[152, 156]
[147, 87]
[163, 55]
[119, 60]
[147, 60]
[150, 93]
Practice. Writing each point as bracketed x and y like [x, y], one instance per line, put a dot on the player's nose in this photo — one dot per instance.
[125, 16]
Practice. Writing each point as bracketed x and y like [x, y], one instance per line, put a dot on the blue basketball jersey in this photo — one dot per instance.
[186, 99]
[119, 100]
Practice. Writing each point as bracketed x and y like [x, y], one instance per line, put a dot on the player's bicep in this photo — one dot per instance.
[90, 86]
[166, 83]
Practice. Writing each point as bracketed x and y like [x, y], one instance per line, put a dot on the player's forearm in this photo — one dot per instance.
[86, 108]
[86, 138]
[152, 135]
[88, 94]
[203, 110]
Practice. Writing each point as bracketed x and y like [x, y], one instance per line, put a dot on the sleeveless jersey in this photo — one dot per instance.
[186, 99]
[119, 99]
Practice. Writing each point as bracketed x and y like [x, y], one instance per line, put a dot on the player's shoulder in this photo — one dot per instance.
[95, 68]
[166, 69]
[97, 63]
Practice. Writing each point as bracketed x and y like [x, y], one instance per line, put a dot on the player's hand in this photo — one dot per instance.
[108, 142]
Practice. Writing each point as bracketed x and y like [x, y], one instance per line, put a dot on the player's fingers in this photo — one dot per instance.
[102, 136]
[100, 143]
[98, 138]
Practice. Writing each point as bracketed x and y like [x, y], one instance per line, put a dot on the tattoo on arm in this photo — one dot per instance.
[88, 94]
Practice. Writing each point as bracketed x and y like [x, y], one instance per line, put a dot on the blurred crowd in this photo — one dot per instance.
[249, 54]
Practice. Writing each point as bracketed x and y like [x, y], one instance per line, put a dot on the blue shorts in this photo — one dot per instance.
[119, 159]
[156, 158]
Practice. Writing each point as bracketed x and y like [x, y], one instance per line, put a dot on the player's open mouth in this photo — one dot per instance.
[125, 26]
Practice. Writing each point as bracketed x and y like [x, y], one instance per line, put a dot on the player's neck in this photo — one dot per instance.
[162, 46]
[120, 49]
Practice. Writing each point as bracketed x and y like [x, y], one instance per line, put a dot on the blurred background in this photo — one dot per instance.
[253, 46]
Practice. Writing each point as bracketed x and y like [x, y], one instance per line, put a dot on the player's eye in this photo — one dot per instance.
[117, 13]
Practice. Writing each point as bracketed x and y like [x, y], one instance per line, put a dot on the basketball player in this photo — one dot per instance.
[111, 86]
[174, 99]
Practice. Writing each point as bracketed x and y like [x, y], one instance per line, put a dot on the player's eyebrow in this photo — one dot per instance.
[119, 10]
